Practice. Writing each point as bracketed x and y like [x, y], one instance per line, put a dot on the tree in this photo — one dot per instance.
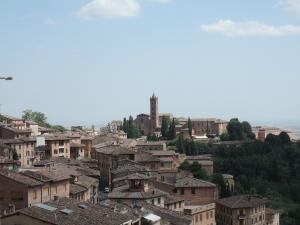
[195, 168]
[164, 127]
[125, 125]
[180, 144]
[172, 130]
[190, 126]
[37, 117]
[285, 138]
[218, 179]
[273, 140]
[238, 131]
[59, 128]
[132, 130]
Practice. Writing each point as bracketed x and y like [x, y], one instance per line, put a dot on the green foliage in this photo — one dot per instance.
[41, 119]
[59, 128]
[152, 138]
[130, 128]
[218, 179]
[267, 168]
[37, 117]
[125, 125]
[172, 130]
[237, 131]
[168, 129]
[195, 168]
[190, 147]
[190, 126]
[164, 127]
[278, 140]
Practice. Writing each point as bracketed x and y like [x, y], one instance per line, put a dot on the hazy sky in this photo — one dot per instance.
[92, 61]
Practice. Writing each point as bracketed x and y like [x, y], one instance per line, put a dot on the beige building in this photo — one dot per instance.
[201, 214]
[25, 149]
[241, 210]
[212, 126]
[21, 190]
[58, 146]
[272, 217]
[9, 132]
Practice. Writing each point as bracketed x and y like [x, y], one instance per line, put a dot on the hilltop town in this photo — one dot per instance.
[89, 176]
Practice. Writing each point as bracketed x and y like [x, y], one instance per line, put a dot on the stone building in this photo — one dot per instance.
[138, 189]
[201, 214]
[241, 210]
[25, 149]
[21, 190]
[108, 158]
[193, 191]
[210, 127]
[58, 146]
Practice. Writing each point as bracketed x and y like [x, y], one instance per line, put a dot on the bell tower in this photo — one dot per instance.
[154, 116]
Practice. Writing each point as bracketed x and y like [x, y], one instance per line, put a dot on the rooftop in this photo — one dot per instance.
[192, 182]
[68, 211]
[241, 201]
[21, 178]
[139, 195]
[114, 150]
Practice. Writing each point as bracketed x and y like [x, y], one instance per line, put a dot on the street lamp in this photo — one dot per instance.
[6, 78]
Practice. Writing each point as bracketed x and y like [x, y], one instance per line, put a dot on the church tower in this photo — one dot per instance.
[154, 116]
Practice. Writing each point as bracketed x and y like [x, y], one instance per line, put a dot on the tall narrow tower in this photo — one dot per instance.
[154, 116]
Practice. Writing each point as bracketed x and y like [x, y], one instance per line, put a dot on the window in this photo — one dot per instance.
[152, 201]
[20, 146]
[55, 151]
[61, 150]
[34, 194]
[196, 218]
[200, 216]
[193, 191]
[65, 187]
[182, 191]
[207, 215]
[175, 190]
[179, 204]
[61, 143]
[211, 214]
[158, 200]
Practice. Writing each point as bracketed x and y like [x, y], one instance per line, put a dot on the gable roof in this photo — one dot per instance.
[20, 178]
[192, 182]
[73, 214]
[241, 201]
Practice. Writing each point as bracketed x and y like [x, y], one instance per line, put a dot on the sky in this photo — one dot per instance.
[93, 61]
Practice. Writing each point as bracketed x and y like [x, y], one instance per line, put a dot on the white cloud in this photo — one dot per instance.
[291, 5]
[249, 28]
[110, 9]
[50, 22]
[113, 8]
[161, 1]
